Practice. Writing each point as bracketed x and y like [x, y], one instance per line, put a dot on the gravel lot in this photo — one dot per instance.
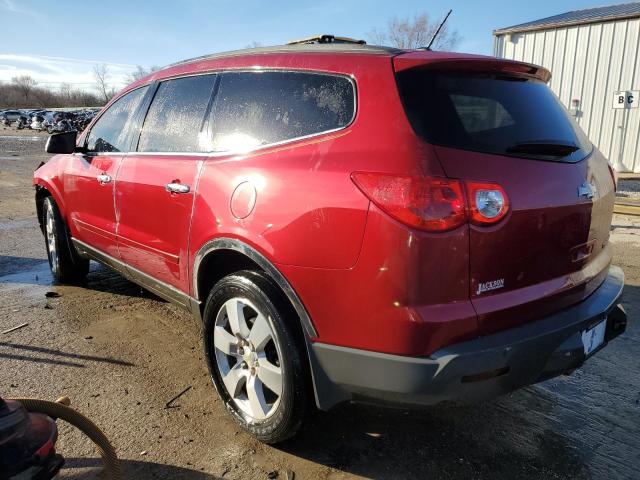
[120, 353]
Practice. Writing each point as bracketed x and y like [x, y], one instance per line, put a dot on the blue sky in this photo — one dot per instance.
[60, 41]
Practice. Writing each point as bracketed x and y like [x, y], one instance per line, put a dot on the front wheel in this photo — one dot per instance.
[255, 356]
[66, 265]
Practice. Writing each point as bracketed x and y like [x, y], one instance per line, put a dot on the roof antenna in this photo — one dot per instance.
[428, 47]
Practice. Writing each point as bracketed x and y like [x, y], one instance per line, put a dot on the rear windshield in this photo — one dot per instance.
[491, 113]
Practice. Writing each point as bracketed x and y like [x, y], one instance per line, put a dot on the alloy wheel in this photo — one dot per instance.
[248, 358]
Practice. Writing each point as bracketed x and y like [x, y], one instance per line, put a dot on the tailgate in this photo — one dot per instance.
[551, 251]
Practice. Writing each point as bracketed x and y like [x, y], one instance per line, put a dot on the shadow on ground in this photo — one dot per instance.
[452, 441]
[90, 468]
[15, 351]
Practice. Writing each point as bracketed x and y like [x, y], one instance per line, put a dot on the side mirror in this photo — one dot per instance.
[64, 142]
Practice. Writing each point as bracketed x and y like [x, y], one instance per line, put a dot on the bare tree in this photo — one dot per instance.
[254, 44]
[25, 85]
[140, 72]
[11, 96]
[101, 76]
[65, 90]
[416, 32]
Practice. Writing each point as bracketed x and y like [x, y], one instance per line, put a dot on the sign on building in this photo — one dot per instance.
[626, 99]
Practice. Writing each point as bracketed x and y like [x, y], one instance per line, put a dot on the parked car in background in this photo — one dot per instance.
[349, 222]
[9, 116]
[83, 118]
[33, 113]
[38, 122]
[22, 122]
[50, 119]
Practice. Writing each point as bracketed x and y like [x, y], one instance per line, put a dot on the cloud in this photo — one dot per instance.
[53, 71]
[10, 6]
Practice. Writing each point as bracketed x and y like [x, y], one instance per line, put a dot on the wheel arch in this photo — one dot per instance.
[222, 256]
[45, 189]
[41, 194]
[226, 255]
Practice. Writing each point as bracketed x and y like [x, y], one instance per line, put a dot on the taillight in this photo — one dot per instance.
[488, 202]
[434, 204]
[428, 203]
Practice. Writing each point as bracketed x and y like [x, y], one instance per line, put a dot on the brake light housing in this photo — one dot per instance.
[434, 204]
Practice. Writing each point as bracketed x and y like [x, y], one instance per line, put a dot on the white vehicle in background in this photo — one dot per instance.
[41, 120]
[37, 122]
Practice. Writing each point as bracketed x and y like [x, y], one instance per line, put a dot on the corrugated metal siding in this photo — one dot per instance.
[588, 63]
[589, 15]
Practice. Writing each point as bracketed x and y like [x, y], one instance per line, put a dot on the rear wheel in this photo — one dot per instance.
[254, 356]
[66, 264]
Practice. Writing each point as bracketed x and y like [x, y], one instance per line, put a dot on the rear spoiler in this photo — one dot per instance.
[463, 62]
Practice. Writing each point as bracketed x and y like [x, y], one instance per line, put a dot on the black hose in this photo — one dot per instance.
[61, 410]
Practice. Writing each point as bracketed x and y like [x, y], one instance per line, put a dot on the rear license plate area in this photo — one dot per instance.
[593, 338]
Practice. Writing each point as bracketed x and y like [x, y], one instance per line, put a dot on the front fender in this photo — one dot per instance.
[47, 176]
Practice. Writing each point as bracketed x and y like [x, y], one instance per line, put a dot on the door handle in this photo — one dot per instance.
[177, 188]
[104, 178]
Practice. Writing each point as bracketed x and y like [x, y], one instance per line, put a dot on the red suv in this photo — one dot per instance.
[349, 222]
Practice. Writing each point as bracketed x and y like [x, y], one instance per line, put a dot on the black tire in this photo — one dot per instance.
[287, 416]
[66, 264]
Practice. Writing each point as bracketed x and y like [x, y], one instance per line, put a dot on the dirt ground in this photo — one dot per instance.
[120, 354]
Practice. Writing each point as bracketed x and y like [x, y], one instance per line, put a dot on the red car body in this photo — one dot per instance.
[360, 280]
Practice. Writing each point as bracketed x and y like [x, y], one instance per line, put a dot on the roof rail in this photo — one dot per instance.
[325, 39]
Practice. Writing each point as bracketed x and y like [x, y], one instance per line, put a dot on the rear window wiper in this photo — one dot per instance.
[543, 148]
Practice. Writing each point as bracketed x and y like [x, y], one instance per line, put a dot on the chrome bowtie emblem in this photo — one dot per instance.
[588, 190]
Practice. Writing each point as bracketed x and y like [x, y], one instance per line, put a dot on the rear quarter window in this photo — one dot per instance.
[261, 108]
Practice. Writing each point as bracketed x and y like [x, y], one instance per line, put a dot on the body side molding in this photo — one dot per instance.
[163, 290]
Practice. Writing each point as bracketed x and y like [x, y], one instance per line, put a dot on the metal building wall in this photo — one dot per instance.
[588, 63]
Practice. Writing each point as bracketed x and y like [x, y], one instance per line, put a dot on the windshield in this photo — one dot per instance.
[490, 113]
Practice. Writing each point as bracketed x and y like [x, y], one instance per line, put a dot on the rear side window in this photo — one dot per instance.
[253, 109]
[494, 114]
[112, 131]
[176, 117]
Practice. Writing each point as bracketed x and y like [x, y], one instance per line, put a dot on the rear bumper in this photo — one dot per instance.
[480, 368]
